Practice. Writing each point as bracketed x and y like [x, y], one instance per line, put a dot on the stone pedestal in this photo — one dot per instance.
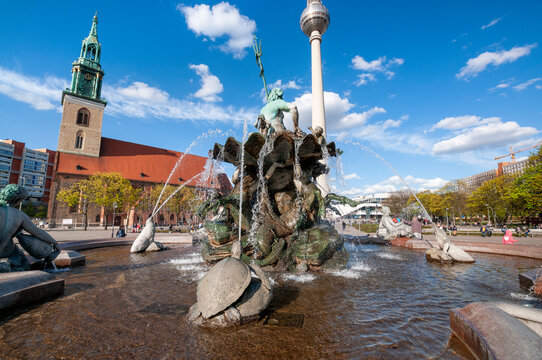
[23, 288]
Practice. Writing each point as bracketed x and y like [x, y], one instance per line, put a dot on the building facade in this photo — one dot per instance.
[30, 168]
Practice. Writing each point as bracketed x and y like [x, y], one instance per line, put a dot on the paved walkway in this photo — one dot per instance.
[95, 236]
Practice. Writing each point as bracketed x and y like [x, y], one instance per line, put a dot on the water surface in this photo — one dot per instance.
[388, 304]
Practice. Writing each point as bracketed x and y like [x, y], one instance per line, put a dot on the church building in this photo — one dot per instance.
[82, 151]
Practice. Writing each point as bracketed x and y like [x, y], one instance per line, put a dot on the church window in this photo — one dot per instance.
[79, 140]
[91, 52]
[83, 117]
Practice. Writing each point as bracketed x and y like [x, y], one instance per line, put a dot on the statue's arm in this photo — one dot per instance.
[35, 231]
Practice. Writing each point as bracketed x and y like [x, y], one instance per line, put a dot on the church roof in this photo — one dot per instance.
[138, 162]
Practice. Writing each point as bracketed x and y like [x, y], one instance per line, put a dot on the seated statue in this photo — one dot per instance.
[388, 230]
[271, 116]
[13, 221]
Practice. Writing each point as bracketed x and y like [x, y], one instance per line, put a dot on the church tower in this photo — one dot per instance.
[83, 109]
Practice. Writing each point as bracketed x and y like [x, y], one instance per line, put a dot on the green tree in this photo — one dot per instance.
[526, 194]
[77, 195]
[103, 190]
[109, 189]
[493, 196]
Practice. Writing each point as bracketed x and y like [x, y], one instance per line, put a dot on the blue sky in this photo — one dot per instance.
[437, 88]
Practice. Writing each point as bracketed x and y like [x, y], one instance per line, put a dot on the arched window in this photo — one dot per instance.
[79, 137]
[171, 217]
[98, 218]
[91, 52]
[83, 117]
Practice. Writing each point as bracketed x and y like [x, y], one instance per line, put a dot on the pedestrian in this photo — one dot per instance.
[416, 228]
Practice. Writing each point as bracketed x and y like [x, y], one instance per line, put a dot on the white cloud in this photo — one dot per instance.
[41, 94]
[125, 101]
[292, 84]
[210, 84]
[221, 20]
[492, 134]
[479, 63]
[526, 84]
[360, 63]
[288, 85]
[364, 79]
[500, 86]
[337, 110]
[394, 183]
[137, 99]
[370, 67]
[352, 176]
[491, 23]
[140, 91]
[457, 122]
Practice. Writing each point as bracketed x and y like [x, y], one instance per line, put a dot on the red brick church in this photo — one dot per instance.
[82, 151]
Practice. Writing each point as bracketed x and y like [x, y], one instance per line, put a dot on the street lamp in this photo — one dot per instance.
[488, 218]
[447, 222]
[113, 224]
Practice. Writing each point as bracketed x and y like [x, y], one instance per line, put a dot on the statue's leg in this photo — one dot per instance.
[18, 261]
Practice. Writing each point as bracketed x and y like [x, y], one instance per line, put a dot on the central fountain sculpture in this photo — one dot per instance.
[282, 207]
[273, 218]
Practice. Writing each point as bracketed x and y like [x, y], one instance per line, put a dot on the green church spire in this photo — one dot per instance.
[87, 73]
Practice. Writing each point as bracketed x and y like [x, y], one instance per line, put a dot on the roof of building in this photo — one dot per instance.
[138, 162]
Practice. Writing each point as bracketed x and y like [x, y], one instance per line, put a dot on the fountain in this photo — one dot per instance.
[313, 301]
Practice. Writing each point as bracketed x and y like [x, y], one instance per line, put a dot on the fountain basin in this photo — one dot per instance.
[491, 332]
[18, 289]
[387, 303]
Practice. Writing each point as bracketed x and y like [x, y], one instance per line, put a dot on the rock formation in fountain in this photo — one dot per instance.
[13, 221]
[282, 208]
[446, 252]
[389, 230]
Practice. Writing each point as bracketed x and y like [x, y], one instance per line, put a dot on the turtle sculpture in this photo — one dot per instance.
[231, 293]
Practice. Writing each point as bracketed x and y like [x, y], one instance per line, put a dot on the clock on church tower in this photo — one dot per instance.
[83, 107]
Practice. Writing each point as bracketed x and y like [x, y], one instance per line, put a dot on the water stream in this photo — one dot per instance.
[241, 176]
[376, 155]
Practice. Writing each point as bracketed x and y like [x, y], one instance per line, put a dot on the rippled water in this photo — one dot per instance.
[388, 304]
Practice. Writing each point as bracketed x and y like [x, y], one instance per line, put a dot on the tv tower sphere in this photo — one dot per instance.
[314, 17]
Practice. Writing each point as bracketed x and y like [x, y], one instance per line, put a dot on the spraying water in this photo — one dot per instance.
[370, 151]
[241, 176]
[208, 134]
[261, 192]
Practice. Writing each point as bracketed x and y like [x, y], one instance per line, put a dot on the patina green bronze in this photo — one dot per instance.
[287, 230]
[87, 73]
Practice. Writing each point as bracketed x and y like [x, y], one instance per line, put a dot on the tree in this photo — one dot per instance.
[526, 194]
[397, 201]
[493, 195]
[103, 190]
[185, 199]
[108, 189]
[77, 195]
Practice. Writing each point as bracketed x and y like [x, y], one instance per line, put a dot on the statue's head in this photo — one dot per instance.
[12, 195]
[274, 94]
[386, 210]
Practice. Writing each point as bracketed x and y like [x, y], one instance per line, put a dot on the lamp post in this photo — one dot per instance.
[113, 222]
[314, 23]
[488, 218]
[447, 222]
